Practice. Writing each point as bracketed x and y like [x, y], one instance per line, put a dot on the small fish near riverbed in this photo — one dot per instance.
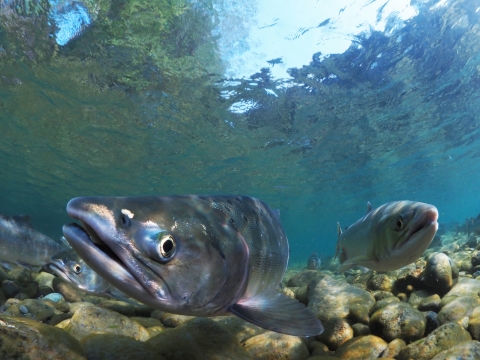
[388, 237]
[192, 255]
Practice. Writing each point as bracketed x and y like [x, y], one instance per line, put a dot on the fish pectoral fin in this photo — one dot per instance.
[277, 312]
[359, 260]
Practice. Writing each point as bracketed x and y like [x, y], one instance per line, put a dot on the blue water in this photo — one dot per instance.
[165, 98]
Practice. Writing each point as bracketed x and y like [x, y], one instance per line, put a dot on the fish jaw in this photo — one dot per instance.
[110, 269]
[187, 284]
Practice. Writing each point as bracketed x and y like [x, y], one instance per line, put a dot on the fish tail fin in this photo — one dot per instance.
[277, 312]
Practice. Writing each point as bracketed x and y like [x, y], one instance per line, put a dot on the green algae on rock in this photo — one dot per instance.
[365, 347]
[24, 338]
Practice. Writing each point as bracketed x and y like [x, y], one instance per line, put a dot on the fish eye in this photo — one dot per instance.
[399, 223]
[125, 220]
[167, 246]
[77, 268]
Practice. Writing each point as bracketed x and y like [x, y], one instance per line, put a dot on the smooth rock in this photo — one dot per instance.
[463, 287]
[474, 326]
[174, 320]
[22, 338]
[146, 321]
[20, 275]
[58, 318]
[10, 288]
[301, 294]
[271, 345]
[303, 278]
[44, 290]
[77, 305]
[199, 338]
[440, 339]
[31, 289]
[393, 348]
[242, 329]
[69, 292]
[439, 273]
[409, 278]
[55, 297]
[430, 303]
[44, 279]
[329, 298]
[382, 303]
[336, 332]
[360, 329]
[90, 319]
[476, 258]
[432, 322]
[117, 347]
[121, 307]
[398, 320]
[458, 308]
[364, 347]
[381, 282]
[469, 350]
[463, 261]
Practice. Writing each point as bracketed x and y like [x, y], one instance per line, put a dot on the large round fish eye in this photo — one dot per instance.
[77, 268]
[167, 246]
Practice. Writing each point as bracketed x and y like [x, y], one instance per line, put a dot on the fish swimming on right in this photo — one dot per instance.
[388, 237]
[192, 255]
[314, 261]
[21, 244]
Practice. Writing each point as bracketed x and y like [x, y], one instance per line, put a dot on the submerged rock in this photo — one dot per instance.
[398, 320]
[93, 319]
[29, 339]
[117, 347]
[440, 273]
[242, 329]
[329, 298]
[336, 332]
[272, 345]
[200, 338]
[302, 278]
[464, 351]
[440, 339]
[458, 308]
[364, 347]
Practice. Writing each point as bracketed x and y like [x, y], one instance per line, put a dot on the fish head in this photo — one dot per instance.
[178, 253]
[405, 230]
[73, 269]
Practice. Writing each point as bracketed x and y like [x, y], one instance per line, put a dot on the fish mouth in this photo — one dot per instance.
[109, 252]
[102, 260]
[58, 268]
[424, 226]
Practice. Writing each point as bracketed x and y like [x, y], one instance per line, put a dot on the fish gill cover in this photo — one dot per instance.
[172, 97]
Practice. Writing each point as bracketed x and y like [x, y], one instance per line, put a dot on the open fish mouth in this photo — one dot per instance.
[104, 261]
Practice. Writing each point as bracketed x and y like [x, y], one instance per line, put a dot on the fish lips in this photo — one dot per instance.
[108, 267]
[425, 225]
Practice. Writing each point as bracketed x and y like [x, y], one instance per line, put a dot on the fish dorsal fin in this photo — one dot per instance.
[65, 242]
[369, 207]
[277, 312]
[24, 220]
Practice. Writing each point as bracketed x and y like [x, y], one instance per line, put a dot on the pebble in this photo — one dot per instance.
[56, 297]
[336, 332]
[440, 273]
[23, 309]
[364, 347]
[271, 345]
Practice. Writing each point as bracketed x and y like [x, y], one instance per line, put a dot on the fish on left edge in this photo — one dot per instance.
[21, 244]
[192, 255]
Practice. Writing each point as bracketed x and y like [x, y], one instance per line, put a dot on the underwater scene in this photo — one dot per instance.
[239, 179]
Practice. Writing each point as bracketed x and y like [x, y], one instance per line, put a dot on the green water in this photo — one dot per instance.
[134, 106]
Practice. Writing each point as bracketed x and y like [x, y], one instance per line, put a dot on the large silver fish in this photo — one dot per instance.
[21, 244]
[69, 266]
[192, 255]
[388, 237]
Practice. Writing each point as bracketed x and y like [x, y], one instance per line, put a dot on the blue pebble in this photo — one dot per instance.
[23, 309]
[54, 297]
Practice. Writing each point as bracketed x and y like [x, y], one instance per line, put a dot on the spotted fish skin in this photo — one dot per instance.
[192, 255]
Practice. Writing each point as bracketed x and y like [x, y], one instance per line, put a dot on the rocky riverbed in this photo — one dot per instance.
[427, 310]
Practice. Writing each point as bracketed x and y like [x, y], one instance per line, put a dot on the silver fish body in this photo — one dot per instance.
[388, 237]
[21, 244]
[192, 255]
